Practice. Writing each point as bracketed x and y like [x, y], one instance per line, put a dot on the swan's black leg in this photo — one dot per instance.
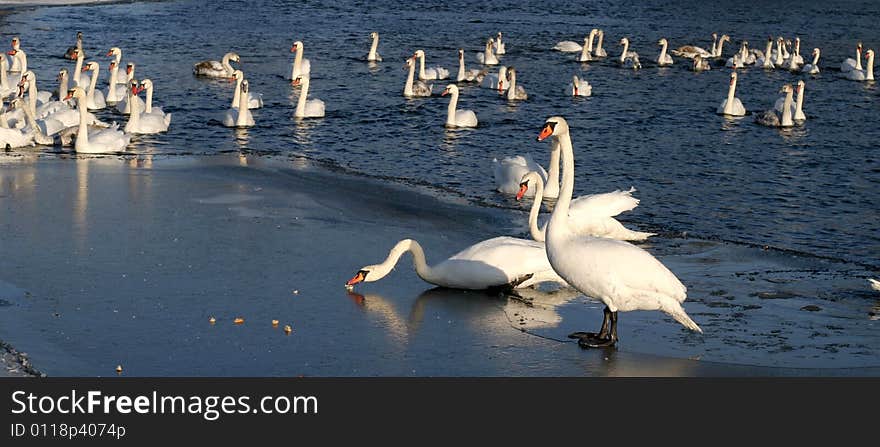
[608, 340]
[592, 337]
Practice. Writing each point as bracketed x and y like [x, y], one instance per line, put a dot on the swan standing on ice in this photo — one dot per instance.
[76, 47]
[240, 116]
[866, 74]
[455, 117]
[770, 119]
[499, 45]
[414, 88]
[813, 67]
[663, 59]
[465, 75]
[849, 64]
[487, 57]
[515, 92]
[307, 108]
[501, 262]
[731, 105]
[797, 109]
[254, 101]
[373, 55]
[579, 87]
[301, 67]
[510, 170]
[621, 275]
[591, 215]
[599, 51]
[144, 123]
[215, 69]
[429, 73]
[99, 142]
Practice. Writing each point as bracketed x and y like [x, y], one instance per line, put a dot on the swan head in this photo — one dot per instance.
[419, 53]
[870, 56]
[114, 51]
[460, 54]
[237, 74]
[624, 41]
[499, 35]
[79, 35]
[62, 74]
[244, 86]
[555, 126]
[725, 38]
[146, 84]
[374, 35]
[594, 31]
[16, 43]
[93, 66]
[76, 93]
[450, 89]
[786, 89]
[662, 42]
[233, 57]
[129, 68]
[816, 51]
[410, 61]
[732, 77]
[714, 36]
[16, 103]
[530, 176]
[135, 87]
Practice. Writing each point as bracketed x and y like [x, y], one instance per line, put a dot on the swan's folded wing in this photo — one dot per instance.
[607, 204]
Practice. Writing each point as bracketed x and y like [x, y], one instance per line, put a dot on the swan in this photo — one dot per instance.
[115, 90]
[301, 67]
[454, 117]
[812, 67]
[691, 51]
[311, 108]
[779, 54]
[766, 60]
[587, 50]
[147, 85]
[850, 64]
[30, 134]
[29, 82]
[866, 74]
[55, 116]
[568, 46]
[795, 60]
[769, 117]
[116, 53]
[874, 284]
[500, 262]
[414, 88]
[373, 55]
[741, 58]
[499, 45]
[215, 69]
[144, 123]
[626, 55]
[621, 275]
[464, 75]
[76, 47]
[123, 106]
[579, 87]
[731, 105]
[19, 60]
[797, 109]
[515, 92]
[591, 215]
[7, 87]
[240, 116]
[102, 141]
[663, 59]
[254, 101]
[510, 171]
[429, 73]
[718, 50]
[497, 81]
[487, 57]
[599, 51]
[79, 78]
[95, 98]
[700, 64]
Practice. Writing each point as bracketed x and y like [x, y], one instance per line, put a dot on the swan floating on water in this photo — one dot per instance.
[301, 67]
[797, 110]
[240, 116]
[465, 75]
[731, 105]
[144, 123]
[500, 48]
[771, 119]
[373, 55]
[850, 64]
[429, 73]
[78, 46]
[863, 75]
[413, 87]
[455, 117]
[514, 92]
[663, 59]
[812, 67]
[254, 101]
[109, 140]
[579, 87]
[307, 108]
[217, 69]
[487, 57]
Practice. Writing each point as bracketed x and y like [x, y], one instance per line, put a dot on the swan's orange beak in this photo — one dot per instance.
[134, 90]
[500, 86]
[523, 187]
[293, 49]
[445, 92]
[128, 70]
[11, 52]
[357, 278]
[110, 53]
[69, 95]
[295, 82]
[86, 68]
[545, 132]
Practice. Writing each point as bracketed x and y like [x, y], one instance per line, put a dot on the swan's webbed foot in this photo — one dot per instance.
[606, 337]
[597, 342]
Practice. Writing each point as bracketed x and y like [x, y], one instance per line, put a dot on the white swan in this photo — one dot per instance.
[455, 117]
[797, 109]
[866, 74]
[103, 141]
[663, 59]
[691, 51]
[874, 284]
[766, 60]
[54, 116]
[254, 101]
[123, 106]
[501, 262]
[414, 88]
[780, 53]
[496, 81]
[812, 67]
[147, 85]
[568, 46]
[144, 123]
[116, 53]
[700, 64]
[591, 215]
[718, 50]
[487, 57]
[301, 67]
[731, 105]
[510, 170]
[38, 102]
[769, 117]
[579, 87]
[80, 78]
[94, 97]
[621, 275]
[7, 87]
[115, 90]
[19, 60]
[240, 116]
[850, 64]
[599, 51]
[307, 108]
[217, 69]
[515, 92]
[27, 136]
[429, 73]
[587, 50]
[628, 58]
[465, 75]
[373, 55]
[78, 46]
[500, 48]
[795, 60]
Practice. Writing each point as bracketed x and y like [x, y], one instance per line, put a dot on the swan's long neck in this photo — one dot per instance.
[731, 93]
[450, 109]
[237, 94]
[599, 43]
[78, 68]
[226, 65]
[22, 60]
[134, 118]
[779, 55]
[373, 48]
[786, 110]
[82, 135]
[799, 104]
[720, 49]
[625, 48]
[422, 67]
[114, 75]
[32, 95]
[714, 46]
[419, 263]
[297, 62]
[487, 54]
[553, 175]
[118, 56]
[586, 49]
[767, 50]
[32, 122]
[590, 41]
[870, 61]
[559, 218]
[816, 59]
[461, 70]
[149, 106]
[536, 232]
[4, 79]
[663, 51]
[511, 89]
[858, 59]
[93, 84]
[408, 88]
[62, 87]
[300, 104]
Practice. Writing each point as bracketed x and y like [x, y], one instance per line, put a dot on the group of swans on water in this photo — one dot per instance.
[41, 116]
[581, 246]
[785, 110]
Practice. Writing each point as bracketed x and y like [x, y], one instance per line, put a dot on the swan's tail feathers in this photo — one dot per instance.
[167, 119]
[506, 288]
[639, 235]
[677, 312]
[874, 284]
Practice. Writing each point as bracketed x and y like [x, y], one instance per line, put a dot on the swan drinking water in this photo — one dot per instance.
[579, 87]
[301, 67]
[731, 105]
[591, 215]
[455, 117]
[414, 88]
[624, 277]
[307, 108]
[501, 262]
[215, 69]
[373, 55]
[429, 73]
